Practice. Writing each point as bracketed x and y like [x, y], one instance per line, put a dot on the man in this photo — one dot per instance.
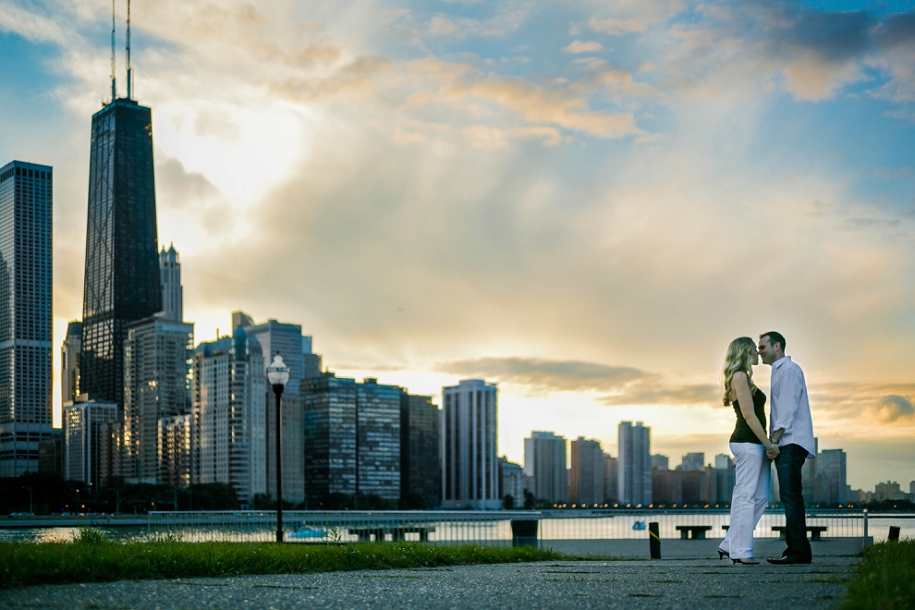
[791, 428]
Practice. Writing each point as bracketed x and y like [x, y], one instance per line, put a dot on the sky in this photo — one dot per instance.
[583, 202]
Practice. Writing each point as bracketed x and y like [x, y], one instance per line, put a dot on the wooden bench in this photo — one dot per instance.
[813, 530]
[398, 533]
[693, 532]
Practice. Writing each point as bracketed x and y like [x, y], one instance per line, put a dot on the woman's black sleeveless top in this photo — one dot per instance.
[742, 432]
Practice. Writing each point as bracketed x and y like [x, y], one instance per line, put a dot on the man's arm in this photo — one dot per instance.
[792, 387]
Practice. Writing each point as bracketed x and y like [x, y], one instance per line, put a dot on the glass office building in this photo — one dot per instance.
[25, 314]
[122, 258]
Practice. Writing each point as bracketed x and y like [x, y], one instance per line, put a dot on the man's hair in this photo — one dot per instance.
[774, 338]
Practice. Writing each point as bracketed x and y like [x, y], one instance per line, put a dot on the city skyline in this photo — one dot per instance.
[577, 202]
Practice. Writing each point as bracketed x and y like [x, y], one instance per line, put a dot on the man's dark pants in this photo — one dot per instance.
[788, 468]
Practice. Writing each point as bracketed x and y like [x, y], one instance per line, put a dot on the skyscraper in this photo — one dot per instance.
[330, 436]
[545, 461]
[172, 291]
[378, 439]
[586, 476]
[421, 470]
[831, 467]
[512, 483]
[84, 435]
[611, 478]
[157, 376]
[288, 341]
[692, 462]
[69, 362]
[229, 410]
[634, 485]
[25, 315]
[352, 437]
[470, 467]
[122, 266]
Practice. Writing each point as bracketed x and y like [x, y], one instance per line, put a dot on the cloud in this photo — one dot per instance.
[618, 386]
[32, 26]
[532, 103]
[561, 376]
[618, 26]
[577, 46]
[508, 18]
[893, 407]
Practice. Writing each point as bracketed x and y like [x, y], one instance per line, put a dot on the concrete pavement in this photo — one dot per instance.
[669, 584]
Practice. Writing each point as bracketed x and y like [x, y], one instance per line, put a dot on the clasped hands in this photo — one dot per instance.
[773, 450]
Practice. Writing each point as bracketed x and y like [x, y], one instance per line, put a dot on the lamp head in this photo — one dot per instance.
[277, 372]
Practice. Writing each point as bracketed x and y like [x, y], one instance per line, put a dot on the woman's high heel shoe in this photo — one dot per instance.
[723, 554]
[746, 562]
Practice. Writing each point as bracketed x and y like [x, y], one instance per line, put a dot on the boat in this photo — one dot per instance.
[638, 525]
[306, 531]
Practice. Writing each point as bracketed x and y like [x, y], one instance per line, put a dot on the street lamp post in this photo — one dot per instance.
[278, 376]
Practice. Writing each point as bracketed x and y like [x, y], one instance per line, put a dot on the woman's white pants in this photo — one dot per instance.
[751, 495]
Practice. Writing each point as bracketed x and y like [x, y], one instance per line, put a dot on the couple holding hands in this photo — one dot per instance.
[789, 444]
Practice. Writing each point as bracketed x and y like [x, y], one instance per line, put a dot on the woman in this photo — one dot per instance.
[749, 444]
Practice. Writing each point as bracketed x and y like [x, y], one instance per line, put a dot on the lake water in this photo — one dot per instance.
[616, 526]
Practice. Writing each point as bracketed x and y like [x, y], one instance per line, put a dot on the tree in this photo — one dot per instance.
[508, 502]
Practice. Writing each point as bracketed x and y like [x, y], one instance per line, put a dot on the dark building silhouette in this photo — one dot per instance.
[420, 466]
[25, 315]
[122, 258]
[352, 437]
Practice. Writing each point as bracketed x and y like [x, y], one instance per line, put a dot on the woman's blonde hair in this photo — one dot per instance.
[737, 359]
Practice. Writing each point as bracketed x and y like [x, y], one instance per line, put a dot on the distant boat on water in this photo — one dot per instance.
[308, 532]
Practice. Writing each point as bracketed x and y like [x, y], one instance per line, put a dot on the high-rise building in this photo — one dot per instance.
[660, 462]
[831, 466]
[634, 486]
[229, 415]
[470, 468]
[545, 461]
[378, 439]
[170, 278]
[84, 434]
[420, 467]
[692, 462]
[286, 340]
[586, 476]
[512, 482]
[352, 437]
[611, 479]
[157, 384]
[725, 479]
[723, 461]
[175, 435]
[667, 487]
[51, 454]
[809, 473]
[122, 265]
[110, 451]
[69, 362]
[25, 314]
[329, 436]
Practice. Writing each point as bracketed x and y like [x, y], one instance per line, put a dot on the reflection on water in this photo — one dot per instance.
[67, 534]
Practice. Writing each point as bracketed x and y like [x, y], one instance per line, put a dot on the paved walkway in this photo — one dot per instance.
[670, 584]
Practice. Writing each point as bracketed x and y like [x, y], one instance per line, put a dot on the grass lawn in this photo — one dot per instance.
[885, 579]
[91, 558]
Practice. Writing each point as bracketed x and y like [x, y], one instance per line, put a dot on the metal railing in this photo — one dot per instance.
[493, 528]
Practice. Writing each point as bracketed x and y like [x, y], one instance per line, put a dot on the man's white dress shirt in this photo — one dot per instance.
[790, 406]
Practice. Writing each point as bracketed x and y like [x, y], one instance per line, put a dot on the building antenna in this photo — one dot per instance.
[114, 89]
[129, 72]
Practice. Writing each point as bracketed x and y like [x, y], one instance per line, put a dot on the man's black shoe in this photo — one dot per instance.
[785, 560]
